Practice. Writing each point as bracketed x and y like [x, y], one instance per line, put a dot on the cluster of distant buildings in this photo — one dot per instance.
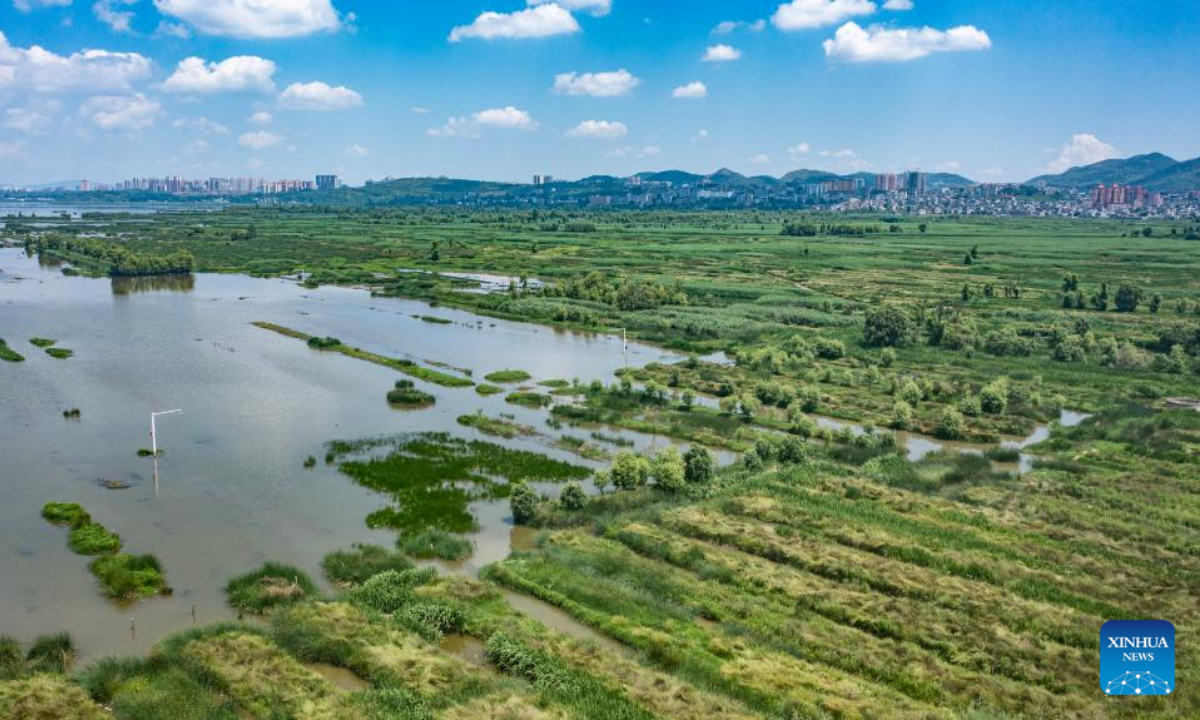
[176, 185]
[1122, 197]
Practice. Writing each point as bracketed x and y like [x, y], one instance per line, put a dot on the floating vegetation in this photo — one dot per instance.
[557, 384]
[42, 342]
[122, 576]
[361, 563]
[529, 399]
[147, 452]
[310, 462]
[110, 484]
[582, 448]
[408, 367]
[72, 414]
[269, 587]
[433, 477]
[436, 320]
[507, 376]
[8, 354]
[435, 543]
[406, 393]
[59, 353]
[500, 427]
[485, 389]
[612, 439]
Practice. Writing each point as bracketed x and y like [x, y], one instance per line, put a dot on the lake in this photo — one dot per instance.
[231, 489]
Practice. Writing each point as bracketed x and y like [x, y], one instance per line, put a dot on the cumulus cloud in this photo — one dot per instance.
[721, 53]
[630, 151]
[700, 136]
[201, 124]
[799, 149]
[845, 160]
[259, 140]
[27, 5]
[898, 5]
[12, 149]
[262, 117]
[109, 13]
[808, 14]
[535, 22]
[691, 90]
[728, 26]
[505, 118]
[35, 119]
[760, 159]
[1083, 149]
[254, 18]
[950, 166]
[852, 43]
[598, 130]
[595, 8]
[39, 70]
[239, 73]
[356, 150]
[120, 112]
[600, 84]
[319, 96]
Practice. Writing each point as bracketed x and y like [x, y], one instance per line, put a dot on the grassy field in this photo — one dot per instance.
[819, 576]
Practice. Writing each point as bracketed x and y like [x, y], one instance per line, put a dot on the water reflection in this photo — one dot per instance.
[131, 285]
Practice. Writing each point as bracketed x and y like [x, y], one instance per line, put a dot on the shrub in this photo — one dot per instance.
[951, 425]
[391, 590]
[830, 349]
[507, 376]
[361, 563]
[61, 513]
[523, 501]
[51, 653]
[697, 465]
[793, 450]
[887, 325]
[129, 577]
[629, 470]
[92, 538]
[572, 497]
[910, 392]
[668, 469]
[902, 415]
[434, 543]
[270, 586]
[993, 398]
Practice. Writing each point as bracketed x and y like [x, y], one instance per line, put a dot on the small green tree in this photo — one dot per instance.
[902, 415]
[993, 398]
[697, 465]
[887, 325]
[1128, 297]
[629, 470]
[951, 425]
[910, 392]
[1156, 303]
[668, 469]
[523, 501]
[793, 451]
[572, 497]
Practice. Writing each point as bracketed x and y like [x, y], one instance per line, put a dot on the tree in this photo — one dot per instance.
[668, 469]
[793, 450]
[1100, 299]
[887, 325]
[910, 393]
[629, 470]
[523, 501]
[993, 398]
[966, 292]
[1127, 298]
[1156, 303]
[922, 227]
[697, 465]
[572, 497]
[902, 415]
[951, 425]
[968, 260]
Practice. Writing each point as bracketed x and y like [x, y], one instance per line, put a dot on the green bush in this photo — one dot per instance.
[130, 577]
[523, 500]
[507, 376]
[572, 497]
[361, 563]
[92, 538]
[391, 590]
[434, 543]
[268, 587]
[61, 513]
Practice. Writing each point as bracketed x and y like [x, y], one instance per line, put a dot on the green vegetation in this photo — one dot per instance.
[122, 576]
[269, 587]
[507, 376]
[528, 399]
[500, 427]
[8, 354]
[59, 353]
[405, 393]
[436, 543]
[362, 562]
[408, 367]
[73, 414]
[486, 389]
[42, 342]
[93, 539]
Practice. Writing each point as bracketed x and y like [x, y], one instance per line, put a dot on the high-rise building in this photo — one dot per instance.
[328, 182]
[915, 183]
[887, 182]
[543, 179]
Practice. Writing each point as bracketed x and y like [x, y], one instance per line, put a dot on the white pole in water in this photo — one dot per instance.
[153, 434]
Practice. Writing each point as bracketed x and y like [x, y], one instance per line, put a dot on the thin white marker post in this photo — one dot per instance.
[153, 433]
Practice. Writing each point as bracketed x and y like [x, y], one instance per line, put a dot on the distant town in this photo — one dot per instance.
[909, 193]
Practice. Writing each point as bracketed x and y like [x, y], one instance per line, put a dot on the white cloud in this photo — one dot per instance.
[254, 18]
[319, 96]
[170, 29]
[600, 84]
[418, 110]
[721, 53]
[595, 8]
[535, 22]
[239, 73]
[845, 160]
[108, 13]
[852, 43]
[33, 120]
[120, 112]
[1083, 149]
[39, 70]
[808, 14]
[760, 159]
[598, 129]
[198, 146]
[799, 149]
[630, 151]
[898, 5]
[259, 140]
[201, 124]
[506, 118]
[700, 136]
[728, 26]
[12, 149]
[691, 90]
[950, 166]
[262, 117]
[356, 150]
[27, 5]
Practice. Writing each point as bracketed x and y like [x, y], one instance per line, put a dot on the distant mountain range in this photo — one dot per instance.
[729, 178]
[1153, 171]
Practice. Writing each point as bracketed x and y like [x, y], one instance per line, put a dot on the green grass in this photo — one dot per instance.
[62, 513]
[59, 353]
[436, 544]
[93, 539]
[485, 389]
[127, 577]
[405, 394]
[499, 427]
[362, 562]
[528, 399]
[507, 376]
[42, 342]
[8, 354]
[272, 586]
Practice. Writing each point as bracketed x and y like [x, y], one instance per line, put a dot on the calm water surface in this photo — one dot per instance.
[232, 491]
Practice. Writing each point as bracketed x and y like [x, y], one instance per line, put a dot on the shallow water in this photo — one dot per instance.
[231, 490]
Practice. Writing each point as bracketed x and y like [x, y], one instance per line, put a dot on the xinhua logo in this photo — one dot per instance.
[1137, 657]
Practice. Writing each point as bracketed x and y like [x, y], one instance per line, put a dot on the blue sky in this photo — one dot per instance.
[501, 89]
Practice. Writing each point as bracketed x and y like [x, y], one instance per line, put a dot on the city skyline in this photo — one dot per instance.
[504, 90]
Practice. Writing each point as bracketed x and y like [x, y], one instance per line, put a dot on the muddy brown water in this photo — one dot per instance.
[230, 490]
